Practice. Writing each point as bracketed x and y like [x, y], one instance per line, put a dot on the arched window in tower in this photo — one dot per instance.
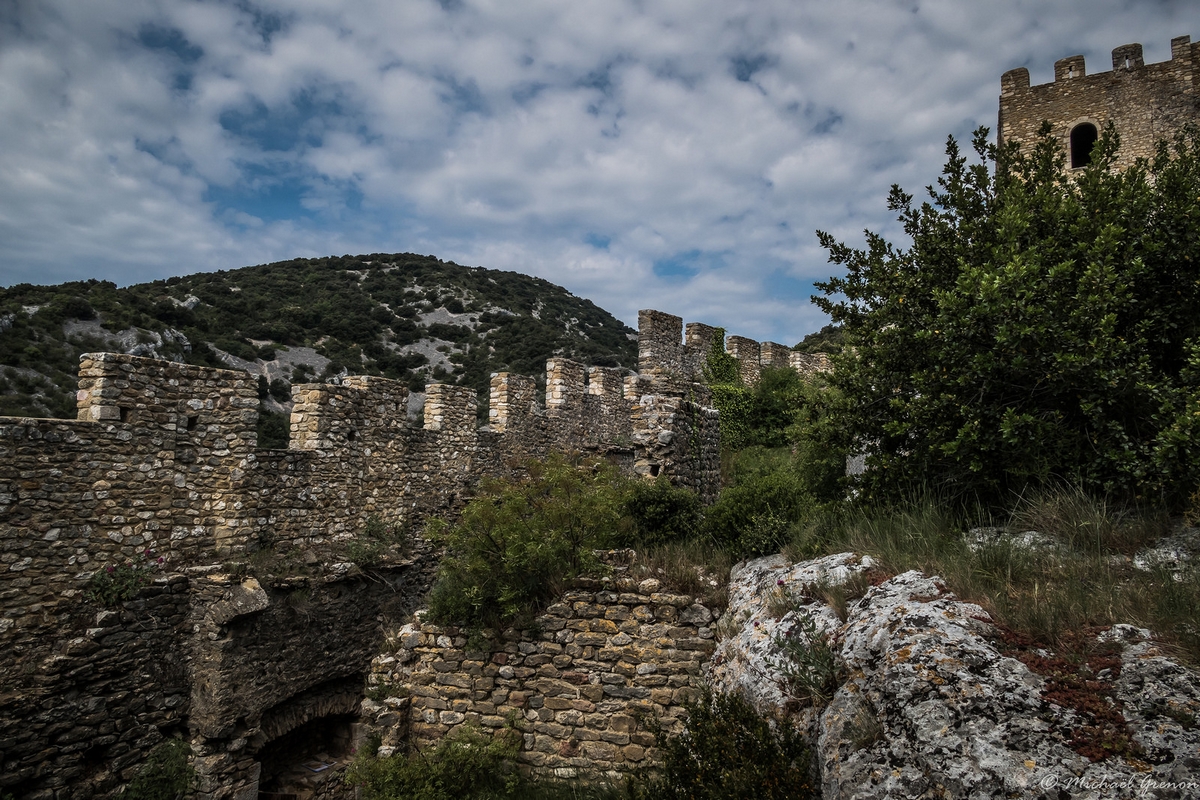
[1083, 139]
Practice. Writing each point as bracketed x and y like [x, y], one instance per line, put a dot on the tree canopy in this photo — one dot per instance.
[1040, 328]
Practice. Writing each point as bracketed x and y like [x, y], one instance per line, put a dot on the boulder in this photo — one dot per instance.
[935, 702]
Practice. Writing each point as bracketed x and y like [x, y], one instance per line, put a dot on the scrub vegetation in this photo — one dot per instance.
[364, 314]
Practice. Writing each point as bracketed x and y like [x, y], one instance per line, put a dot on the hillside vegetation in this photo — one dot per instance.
[409, 317]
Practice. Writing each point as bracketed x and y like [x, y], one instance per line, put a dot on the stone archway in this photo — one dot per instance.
[305, 743]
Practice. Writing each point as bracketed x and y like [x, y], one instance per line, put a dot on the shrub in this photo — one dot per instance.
[468, 764]
[519, 541]
[755, 516]
[659, 512]
[166, 775]
[377, 537]
[729, 752]
[807, 660]
[465, 765]
[1036, 331]
[777, 399]
[818, 447]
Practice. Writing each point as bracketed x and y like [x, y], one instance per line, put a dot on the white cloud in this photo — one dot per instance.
[584, 143]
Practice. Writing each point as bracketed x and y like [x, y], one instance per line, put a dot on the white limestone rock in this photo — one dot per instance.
[930, 708]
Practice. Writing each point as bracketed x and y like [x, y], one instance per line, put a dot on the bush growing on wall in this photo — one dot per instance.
[1041, 327]
[166, 774]
[730, 752]
[518, 542]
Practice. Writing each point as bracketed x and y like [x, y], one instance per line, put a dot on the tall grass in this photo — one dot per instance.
[1078, 575]
[698, 567]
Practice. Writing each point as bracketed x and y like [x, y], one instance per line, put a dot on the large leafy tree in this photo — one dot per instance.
[1042, 327]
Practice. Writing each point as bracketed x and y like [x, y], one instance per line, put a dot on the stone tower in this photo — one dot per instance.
[1145, 102]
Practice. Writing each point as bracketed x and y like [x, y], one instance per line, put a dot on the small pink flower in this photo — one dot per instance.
[779, 582]
[756, 623]
[161, 559]
[110, 568]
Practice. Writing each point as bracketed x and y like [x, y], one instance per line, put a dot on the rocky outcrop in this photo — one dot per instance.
[935, 701]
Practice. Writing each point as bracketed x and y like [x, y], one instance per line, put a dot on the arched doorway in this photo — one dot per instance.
[1083, 139]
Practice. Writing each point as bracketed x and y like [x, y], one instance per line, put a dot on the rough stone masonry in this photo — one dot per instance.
[163, 462]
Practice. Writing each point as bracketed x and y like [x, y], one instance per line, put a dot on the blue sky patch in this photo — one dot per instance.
[682, 266]
[744, 67]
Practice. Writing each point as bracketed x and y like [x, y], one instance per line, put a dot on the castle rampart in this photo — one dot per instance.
[1144, 102]
[607, 661]
[163, 462]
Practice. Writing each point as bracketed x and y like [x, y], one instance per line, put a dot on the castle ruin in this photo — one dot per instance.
[162, 463]
[1145, 103]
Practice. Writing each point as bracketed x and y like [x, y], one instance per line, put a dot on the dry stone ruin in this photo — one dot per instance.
[160, 472]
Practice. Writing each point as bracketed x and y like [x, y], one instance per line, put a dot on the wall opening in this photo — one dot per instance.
[1083, 140]
[302, 761]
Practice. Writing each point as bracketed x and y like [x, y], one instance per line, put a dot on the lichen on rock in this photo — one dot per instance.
[933, 702]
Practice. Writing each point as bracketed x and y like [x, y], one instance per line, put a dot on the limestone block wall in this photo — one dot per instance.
[603, 661]
[1145, 102]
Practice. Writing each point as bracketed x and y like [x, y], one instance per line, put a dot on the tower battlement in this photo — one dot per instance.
[1144, 102]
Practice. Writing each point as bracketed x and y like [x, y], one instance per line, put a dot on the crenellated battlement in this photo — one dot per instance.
[671, 365]
[163, 457]
[1144, 102]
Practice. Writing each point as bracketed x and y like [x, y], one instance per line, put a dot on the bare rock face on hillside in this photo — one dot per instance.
[935, 701]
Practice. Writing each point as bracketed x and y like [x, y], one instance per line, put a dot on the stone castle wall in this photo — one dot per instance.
[1145, 102]
[604, 661]
[162, 462]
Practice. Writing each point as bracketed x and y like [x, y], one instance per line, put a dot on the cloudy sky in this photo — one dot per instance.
[675, 154]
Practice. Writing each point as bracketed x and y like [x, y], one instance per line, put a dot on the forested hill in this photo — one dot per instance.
[409, 317]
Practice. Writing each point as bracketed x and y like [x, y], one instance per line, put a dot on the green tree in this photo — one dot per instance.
[1040, 328]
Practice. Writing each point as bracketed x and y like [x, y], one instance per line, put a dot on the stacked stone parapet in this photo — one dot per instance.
[586, 685]
[566, 384]
[678, 367]
[513, 401]
[747, 353]
[809, 364]
[363, 410]
[775, 356]
[698, 343]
